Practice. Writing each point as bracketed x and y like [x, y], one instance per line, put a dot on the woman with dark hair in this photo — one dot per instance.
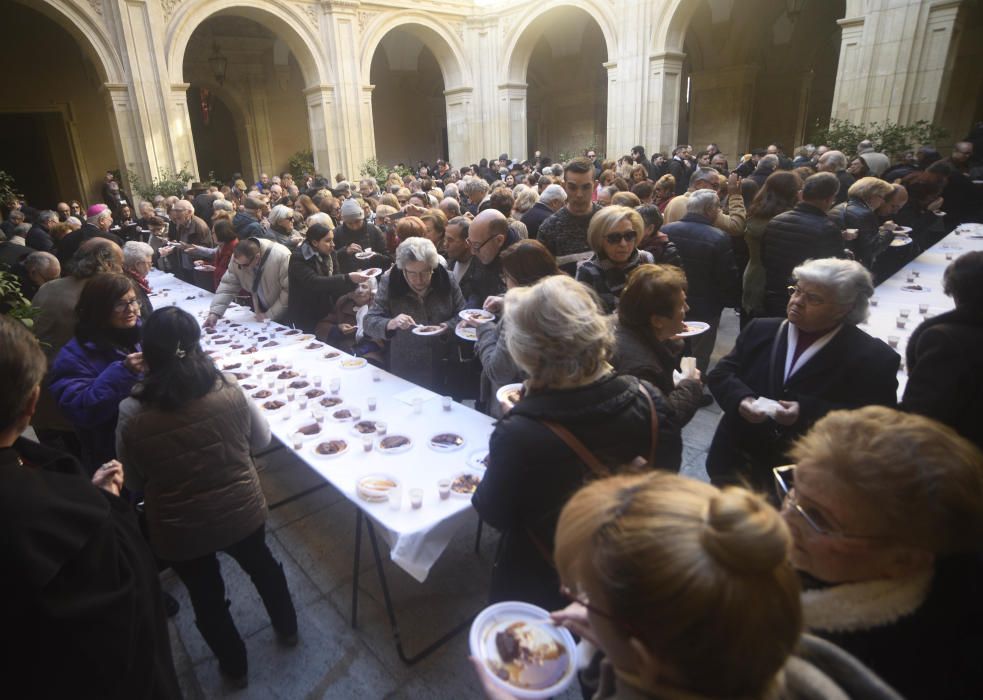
[315, 283]
[225, 235]
[186, 437]
[99, 366]
[656, 243]
[779, 194]
[523, 264]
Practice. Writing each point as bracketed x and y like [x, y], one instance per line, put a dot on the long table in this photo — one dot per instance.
[918, 285]
[416, 537]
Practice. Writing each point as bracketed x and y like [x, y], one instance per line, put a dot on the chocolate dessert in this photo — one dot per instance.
[313, 346]
[393, 441]
[236, 346]
[331, 355]
[314, 393]
[211, 331]
[429, 329]
[312, 429]
[241, 375]
[342, 414]
[223, 341]
[299, 384]
[248, 387]
[287, 374]
[274, 368]
[263, 394]
[292, 331]
[365, 426]
[330, 401]
[250, 350]
[270, 344]
[332, 447]
[234, 365]
[447, 440]
[465, 483]
[273, 405]
[261, 338]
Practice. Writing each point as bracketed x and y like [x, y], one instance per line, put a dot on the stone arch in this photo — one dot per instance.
[435, 35]
[91, 36]
[521, 39]
[244, 126]
[288, 23]
[670, 34]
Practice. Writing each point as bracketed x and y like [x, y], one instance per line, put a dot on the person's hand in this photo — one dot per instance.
[109, 477]
[414, 210]
[211, 321]
[468, 215]
[936, 205]
[353, 248]
[134, 362]
[400, 323]
[788, 413]
[357, 277]
[692, 373]
[749, 412]
[492, 691]
[259, 316]
[166, 250]
[346, 328]
[733, 184]
[574, 618]
[493, 304]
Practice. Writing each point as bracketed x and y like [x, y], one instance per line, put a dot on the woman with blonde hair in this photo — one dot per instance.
[860, 212]
[886, 512]
[558, 337]
[613, 235]
[665, 190]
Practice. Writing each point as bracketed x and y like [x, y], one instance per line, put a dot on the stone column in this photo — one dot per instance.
[320, 113]
[513, 104]
[127, 136]
[459, 143]
[661, 127]
[183, 143]
[340, 33]
[368, 121]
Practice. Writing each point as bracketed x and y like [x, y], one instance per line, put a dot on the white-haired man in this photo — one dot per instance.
[550, 201]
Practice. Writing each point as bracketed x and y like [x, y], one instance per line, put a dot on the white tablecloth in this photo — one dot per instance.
[416, 538]
[897, 293]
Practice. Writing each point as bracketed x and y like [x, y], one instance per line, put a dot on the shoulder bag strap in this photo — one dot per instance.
[654, 417]
[579, 448]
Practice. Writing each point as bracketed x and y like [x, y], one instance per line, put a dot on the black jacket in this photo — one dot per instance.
[791, 238]
[69, 244]
[681, 171]
[708, 260]
[247, 226]
[945, 372]
[368, 237]
[869, 242]
[535, 216]
[313, 292]
[851, 371]
[532, 473]
[486, 280]
[12, 253]
[38, 238]
[761, 173]
[846, 182]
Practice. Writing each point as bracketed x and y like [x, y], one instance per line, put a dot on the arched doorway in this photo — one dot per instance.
[254, 104]
[57, 135]
[408, 104]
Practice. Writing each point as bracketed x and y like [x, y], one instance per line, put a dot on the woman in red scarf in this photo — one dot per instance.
[225, 234]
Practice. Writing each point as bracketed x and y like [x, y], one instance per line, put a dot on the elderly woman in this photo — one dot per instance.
[650, 316]
[886, 510]
[859, 212]
[282, 226]
[416, 295]
[644, 557]
[613, 235]
[315, 284]
[99, 366]
[436, 223]
[665, 190]
[782, 376]
[137, 262]
[557, 335]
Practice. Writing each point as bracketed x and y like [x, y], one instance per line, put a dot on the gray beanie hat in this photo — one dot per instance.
[351, 208]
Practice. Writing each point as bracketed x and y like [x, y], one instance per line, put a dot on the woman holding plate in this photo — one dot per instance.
[416, 302]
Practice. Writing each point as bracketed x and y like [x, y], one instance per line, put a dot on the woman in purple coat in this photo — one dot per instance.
[99, 366]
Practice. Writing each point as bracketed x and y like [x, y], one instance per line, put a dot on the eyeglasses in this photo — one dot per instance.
[422, 275]
[810, 298]
[121, 306]
[615, 237]
[475, 247]
[580, 597]
[785, 488]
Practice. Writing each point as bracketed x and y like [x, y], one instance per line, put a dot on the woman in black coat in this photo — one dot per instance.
[858, 212]
[558, 336]
[315, 284]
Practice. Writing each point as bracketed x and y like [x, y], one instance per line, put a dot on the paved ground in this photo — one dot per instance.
[313, 537]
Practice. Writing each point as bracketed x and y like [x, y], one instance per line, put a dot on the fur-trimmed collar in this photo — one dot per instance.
[850, 607]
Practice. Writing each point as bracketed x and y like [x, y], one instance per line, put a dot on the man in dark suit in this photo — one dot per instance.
[816, 362]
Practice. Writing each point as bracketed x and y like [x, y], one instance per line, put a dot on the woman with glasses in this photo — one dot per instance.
[784, 375]
[886, 514]
[418, 294]
[99, 366]
[613, 235]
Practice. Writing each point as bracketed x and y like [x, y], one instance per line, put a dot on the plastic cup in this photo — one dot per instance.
[298, 440]
[335, 385]
[916, 273]
[291, 394]
[446, 402]
[395, 498]
[317, 380]
[874, 301]
[302, 403]
[416, 498]
[367, 441]
[417, 404]
[376, 375]
[893, 340]
[923, 309]
[910, 278]
[318, 415]
[270, 383]
[444, 489]
[380, 428]
[902, 322]
[371, 401]
[905, 312]
[356, 414]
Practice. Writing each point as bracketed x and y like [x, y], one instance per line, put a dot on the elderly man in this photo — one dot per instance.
[367, 187]
[36, 269]
[708, 260]
[191, 234]
[39, 237]
[261, 266]
[766, 166]
[247, 222]
[14, 219]
[876, 162]
[355, 236]
[474, 190]
[835, 162]
[731, 217]
[137, 262]
[98, 221]
[564, 233]
[460, 260]
[551, 200]
[451, 207]
[488, 235]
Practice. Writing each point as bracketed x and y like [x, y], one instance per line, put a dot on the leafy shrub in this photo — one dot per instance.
[167, 183]
[889, 137]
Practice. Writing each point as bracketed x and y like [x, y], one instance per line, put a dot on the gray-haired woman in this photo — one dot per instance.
[418, 291]
[815, 362]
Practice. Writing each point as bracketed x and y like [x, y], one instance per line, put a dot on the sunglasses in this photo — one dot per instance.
[615, 237]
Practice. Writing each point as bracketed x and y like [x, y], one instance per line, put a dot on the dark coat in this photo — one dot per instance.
[38, 238]
[369, 236]
[680, 170]
[313, 291]
[945, 372]
[536, 215]
[248, 226]
[607, 280]
[12, 253]
[761, 173]
[88, 381]
[466, 283]
[70, 243]
[846, 182]
[80, 584]
[851, 371]
[869, 242]
[663, 253]
[708, 260]
[791, 238]
[532, 473]
[486, 280]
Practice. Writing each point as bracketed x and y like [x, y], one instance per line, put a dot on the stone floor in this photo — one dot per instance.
[312, 536]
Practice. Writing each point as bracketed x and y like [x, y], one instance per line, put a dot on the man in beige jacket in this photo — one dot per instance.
[732, 217]
[260, 266]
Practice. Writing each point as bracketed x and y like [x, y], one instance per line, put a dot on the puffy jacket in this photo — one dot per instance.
[195, 469]
[708, 260]
[608, 280]
[854, 213]
[273, 282]
[247, 226]
[313, 289]
[791, 238]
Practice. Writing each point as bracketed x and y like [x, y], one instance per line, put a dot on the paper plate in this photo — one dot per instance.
[900, 240]
[325, 440]
[365, 254]
[423, 330]
[467, 491]
[502, 395]
[354, 363]
[394, 450]
[475, 315]
[368, 488]
[694, 328]
[466, 332]
[477, 460]
[371, 272]
[497, 618]
[451, 447]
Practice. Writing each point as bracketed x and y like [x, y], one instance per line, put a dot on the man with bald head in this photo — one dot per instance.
[488, 235]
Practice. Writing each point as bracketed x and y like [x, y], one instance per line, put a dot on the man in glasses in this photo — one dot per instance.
[260, 266]
[565, 233]
[488, 235]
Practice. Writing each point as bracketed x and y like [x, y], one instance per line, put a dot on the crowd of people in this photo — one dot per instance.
[837, 552]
